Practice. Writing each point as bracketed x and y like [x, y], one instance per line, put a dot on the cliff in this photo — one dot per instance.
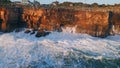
[116, 23]
[10, 18]
[95, 23]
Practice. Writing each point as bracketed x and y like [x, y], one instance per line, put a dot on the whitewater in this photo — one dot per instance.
[58, 50]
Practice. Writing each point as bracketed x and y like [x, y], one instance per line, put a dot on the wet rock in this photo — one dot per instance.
[41, 33]
[33, 32]
[27, 31]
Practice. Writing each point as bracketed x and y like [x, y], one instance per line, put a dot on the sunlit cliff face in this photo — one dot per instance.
[91, 22]
[3, 17]
[116, 22]
[95, 23]
[32, 17]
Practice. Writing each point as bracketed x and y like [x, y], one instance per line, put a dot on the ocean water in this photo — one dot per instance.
[58, 50]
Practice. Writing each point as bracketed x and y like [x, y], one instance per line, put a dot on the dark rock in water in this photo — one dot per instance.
[27, 31]
[32, 33]
[47, 33]
[41, 33]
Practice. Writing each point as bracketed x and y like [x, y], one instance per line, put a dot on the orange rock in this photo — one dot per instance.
[95, 23]
[3, 16]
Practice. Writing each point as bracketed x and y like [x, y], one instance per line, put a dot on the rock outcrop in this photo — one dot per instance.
[41, 33]
[115, 20]
[11, 18]
[3, 18]
[95, 23]
[91, 22]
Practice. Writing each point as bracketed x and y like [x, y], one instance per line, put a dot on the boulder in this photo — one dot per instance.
[27, 31]
[33, 32]
[41, 33]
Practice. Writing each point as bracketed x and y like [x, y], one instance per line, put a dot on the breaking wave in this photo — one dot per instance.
[58, 50]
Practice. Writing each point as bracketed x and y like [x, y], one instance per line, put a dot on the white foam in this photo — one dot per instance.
[19, 49]
[69, 29]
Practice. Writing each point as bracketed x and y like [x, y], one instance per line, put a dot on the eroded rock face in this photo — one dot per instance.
[3, 18]
[91, 22]
[95, 23]
[10, 18]
[49, 19]
[115, 19]
[32, 17]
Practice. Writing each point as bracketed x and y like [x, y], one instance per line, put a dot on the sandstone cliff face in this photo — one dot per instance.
[115, 23]
[91, 22]
[32, 17]
[10, 18]
[54, 19]
[95, 23]
[3, 18]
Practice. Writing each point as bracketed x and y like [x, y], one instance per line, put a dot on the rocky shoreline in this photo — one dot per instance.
[95, 23]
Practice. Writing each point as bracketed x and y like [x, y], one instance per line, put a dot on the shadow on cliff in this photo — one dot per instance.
[11, 19]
